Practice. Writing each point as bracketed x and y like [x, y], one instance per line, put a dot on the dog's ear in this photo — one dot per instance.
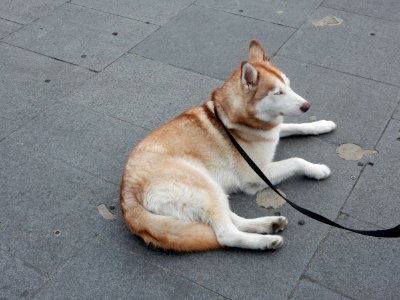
[256, 52]
[249, 76]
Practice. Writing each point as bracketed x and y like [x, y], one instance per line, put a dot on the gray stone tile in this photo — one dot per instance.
[310, 290]
[396, 114]
[349, 47]
[7, 27]
[7, 126]
[83, 138]
[24, 91]
[81, 36]
[291, 13]
[386, 9]
[107, 269]
[240, 274]
[375, 197]
[219, 45]
[347, 100]
[24, 12]
[17, 280]
[40, 195]
[358, 266]
[153, 11]
[144, 92]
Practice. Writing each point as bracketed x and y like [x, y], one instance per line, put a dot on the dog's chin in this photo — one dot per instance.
[268, 116]
[271, 116]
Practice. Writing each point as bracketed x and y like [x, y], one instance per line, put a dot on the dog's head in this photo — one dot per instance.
[268, 87]
[262, 91]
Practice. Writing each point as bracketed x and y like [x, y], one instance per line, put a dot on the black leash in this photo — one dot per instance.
[388, 233]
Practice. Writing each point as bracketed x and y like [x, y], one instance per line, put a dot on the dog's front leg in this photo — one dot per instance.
[313, 128]
[279, 171]
[282, 170]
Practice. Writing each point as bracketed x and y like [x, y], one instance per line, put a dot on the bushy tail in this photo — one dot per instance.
[166, 232]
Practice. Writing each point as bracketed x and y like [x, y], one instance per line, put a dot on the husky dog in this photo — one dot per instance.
[175, 184]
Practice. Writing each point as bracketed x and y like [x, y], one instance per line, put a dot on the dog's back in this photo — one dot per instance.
[169, 154]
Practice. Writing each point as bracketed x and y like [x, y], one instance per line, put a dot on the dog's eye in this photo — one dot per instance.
[279, 93]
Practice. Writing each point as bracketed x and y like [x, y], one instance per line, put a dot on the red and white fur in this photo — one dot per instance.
[175, 184]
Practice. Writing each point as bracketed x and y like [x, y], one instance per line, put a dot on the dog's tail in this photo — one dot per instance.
[166, 232]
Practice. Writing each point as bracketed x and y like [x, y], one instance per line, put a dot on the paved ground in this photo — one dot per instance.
[82, 81]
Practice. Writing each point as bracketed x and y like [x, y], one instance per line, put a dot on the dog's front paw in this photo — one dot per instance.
[317, 171]
[323, 126]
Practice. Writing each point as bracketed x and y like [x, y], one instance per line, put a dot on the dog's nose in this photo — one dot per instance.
[305, 107]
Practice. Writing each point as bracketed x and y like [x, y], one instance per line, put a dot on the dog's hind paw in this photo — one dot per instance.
[276, 243]
[271, 242]
[278, 225]
[317, 171]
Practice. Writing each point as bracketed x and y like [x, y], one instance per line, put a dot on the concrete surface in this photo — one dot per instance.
[82, 82]
[209, 41]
